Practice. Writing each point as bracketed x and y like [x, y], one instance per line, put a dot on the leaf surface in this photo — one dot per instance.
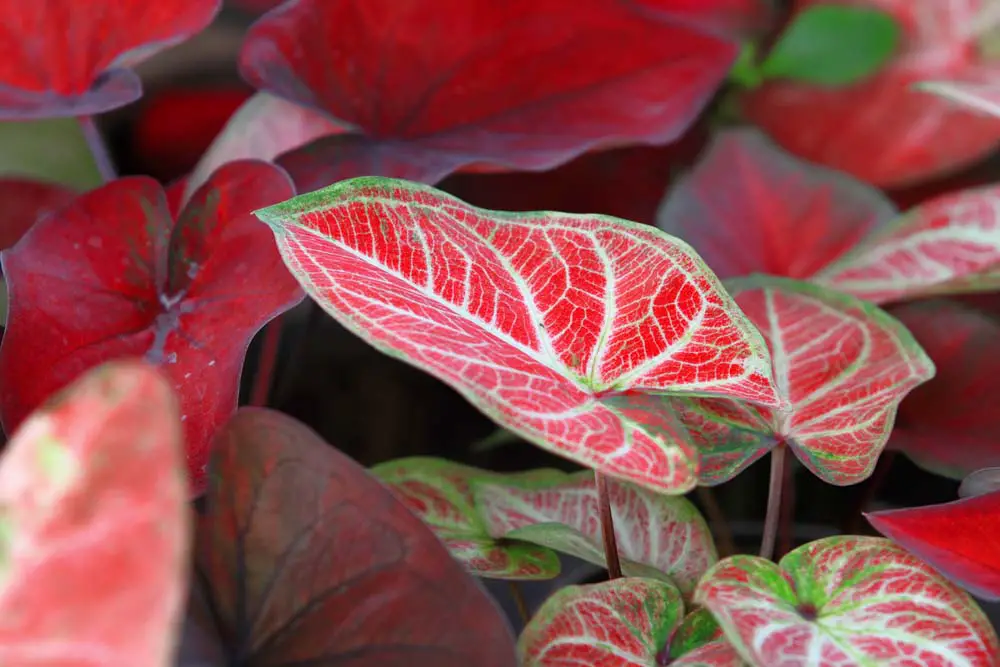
[59, 61]
[846, 600]
[439, 492]
[565, 329]
[523, 84]
[312, 561]
[792, 218]
[25, 201]
[114, 275]
[95, 526]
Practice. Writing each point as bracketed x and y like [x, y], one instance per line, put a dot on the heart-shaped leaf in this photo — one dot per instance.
[658, 536]
[949, 245]
[565, 329]
[883, 130]
[114, 275]
[95, 525]
[438, 491]
[950, 425]
[792, 218]
[527, 84]
[961, 539]
[842, 366]
[312, 561]
[846, 600]
[26, 201]
[60, 61]
[629, 622]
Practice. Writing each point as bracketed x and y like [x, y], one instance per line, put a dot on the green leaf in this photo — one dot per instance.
[833, 45]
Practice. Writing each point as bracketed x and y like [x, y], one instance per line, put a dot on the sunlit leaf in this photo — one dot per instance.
[312, 561]
[846, 600]
[438, 491]
[565, 329]
[94, 527]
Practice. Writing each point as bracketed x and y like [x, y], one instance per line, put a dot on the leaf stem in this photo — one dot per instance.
[773, 501]
[98, 149]
[607, 527]
[267, 359]
[518, 597]
[786, 528]
[717, 522]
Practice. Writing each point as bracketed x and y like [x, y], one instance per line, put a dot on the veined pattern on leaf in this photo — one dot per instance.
[566, 329]
[842, 367]
[658, 536]
[846, 600]
[950, 244]
[438, 491]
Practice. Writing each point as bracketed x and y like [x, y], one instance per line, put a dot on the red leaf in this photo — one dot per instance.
[527, 84]
[792, 218]
[883, 130]
[961, 539]
[61, 61]
[26, 201]
[311, 561]
[950, 425]
[96, 527]
[113, 275]
[734, 17]
[565, 329]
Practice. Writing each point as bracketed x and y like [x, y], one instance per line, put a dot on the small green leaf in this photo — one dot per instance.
[746, 71]
[833, 45]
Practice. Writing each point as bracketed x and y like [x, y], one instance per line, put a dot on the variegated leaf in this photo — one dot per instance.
[566, 329]
[949, 245]
[438, 492]
[846, 600]
[658, 536]
[842, 367]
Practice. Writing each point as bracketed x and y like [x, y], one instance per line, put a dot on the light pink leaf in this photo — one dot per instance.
[658, 536]
[949, 245]
[438, 491]
[842, 366]
[566, 329]
[846, 600]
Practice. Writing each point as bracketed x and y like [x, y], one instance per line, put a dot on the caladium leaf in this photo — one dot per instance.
[950, 425]
[59, 61]
[439, 86]
[658, 536]
[727, 17]
[25, 201]
[312, 561]
[846, 600]
[960, 539]
[630, 622]
[565, 329]
[792, 218]
[114, 274]
[948, 245]
[979, 483]
[842, 366]
[96, 527]
[439, 492]
[883, 130]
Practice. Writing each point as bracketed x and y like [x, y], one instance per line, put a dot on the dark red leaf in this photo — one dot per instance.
[311, 561]
[951, 424]
[961, 539]
[724, 16]
[113, 275]
[61, 58]
[24, 202]
[883, 129]
[526, 84]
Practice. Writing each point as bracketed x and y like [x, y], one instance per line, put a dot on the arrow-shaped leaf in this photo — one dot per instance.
[438, 491]
[846, 600]
[566, 329]
[842, 367]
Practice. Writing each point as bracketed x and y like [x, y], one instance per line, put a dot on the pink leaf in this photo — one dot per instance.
[60, 61]
[846, 600]
[526, 84]
[25, 201]
[884, 130]
[95, 526]
[749, 207]
[565, 329]
[114, 275]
